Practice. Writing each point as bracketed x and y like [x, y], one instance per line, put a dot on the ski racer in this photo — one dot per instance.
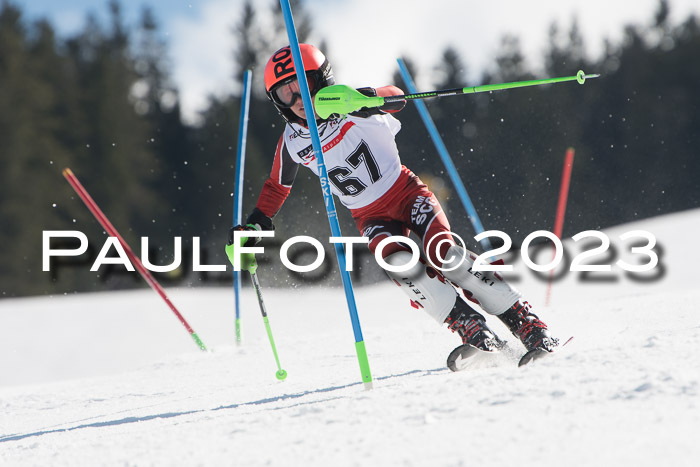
[385, 199]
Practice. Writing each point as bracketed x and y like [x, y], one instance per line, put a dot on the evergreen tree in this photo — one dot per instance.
[302, 21]
[103, 103]
[250, 44]
[156, 99]
[510, 61]
[117, 136]
[30, 147]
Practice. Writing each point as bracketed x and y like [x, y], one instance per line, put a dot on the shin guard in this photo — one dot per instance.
[426, 288]
[487, 289]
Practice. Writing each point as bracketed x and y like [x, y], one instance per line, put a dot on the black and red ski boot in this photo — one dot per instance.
[527, 327]
[471, 327]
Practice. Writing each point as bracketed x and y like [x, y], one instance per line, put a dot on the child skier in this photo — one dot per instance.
[385, 199]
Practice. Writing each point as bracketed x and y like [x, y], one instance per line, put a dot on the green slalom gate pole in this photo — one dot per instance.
[341, 99]
[281, 374]
[328, 198]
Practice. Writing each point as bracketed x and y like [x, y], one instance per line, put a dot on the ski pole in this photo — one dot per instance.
[238, 189]
[342, 99]
[112, 232]
[281, 374]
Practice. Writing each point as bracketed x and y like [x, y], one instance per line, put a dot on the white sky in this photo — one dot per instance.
[366, 36]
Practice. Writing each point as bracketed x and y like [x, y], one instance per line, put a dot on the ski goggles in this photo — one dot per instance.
[286, 94]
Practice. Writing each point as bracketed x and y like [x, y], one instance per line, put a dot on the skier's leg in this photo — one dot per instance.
[487, 289]
[498, 298]
[425, 217]
[428, 290]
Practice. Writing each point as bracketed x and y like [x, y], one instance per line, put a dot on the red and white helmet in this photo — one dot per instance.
[280, 72]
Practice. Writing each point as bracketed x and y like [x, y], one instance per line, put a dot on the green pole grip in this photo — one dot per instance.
[341, 99]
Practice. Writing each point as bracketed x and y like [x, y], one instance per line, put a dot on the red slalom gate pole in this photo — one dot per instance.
[564, 192]
[561, 208]
[112, 232]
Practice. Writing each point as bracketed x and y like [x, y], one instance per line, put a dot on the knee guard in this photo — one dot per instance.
[424, 286]
[487, 289]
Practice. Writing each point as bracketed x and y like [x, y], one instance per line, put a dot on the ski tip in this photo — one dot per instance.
[466, 356]
[67, 172]
[460, 353]
[531, 355]
[538, 353]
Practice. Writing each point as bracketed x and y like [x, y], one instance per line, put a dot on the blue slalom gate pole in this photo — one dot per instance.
[445, 156]
[238, 188]
[327, 196]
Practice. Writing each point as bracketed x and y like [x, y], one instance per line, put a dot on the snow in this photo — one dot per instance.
[114, 379]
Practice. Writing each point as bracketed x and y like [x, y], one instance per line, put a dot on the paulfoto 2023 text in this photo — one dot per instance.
[640, 244]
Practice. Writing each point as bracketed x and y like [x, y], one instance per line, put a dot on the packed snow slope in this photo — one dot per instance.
[113, 378]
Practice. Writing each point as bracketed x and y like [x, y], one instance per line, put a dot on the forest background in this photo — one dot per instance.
[102, 101]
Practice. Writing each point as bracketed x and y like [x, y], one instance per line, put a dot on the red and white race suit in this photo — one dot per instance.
[386, 199]
[365, 173]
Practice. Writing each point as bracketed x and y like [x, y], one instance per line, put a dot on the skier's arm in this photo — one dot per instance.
[276, 188]
[272, 197]
[384, 91]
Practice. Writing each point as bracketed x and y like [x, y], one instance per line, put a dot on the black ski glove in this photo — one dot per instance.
[256, 221]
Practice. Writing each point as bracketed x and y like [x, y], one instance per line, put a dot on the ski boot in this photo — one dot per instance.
[471, 327]
[527, 327]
